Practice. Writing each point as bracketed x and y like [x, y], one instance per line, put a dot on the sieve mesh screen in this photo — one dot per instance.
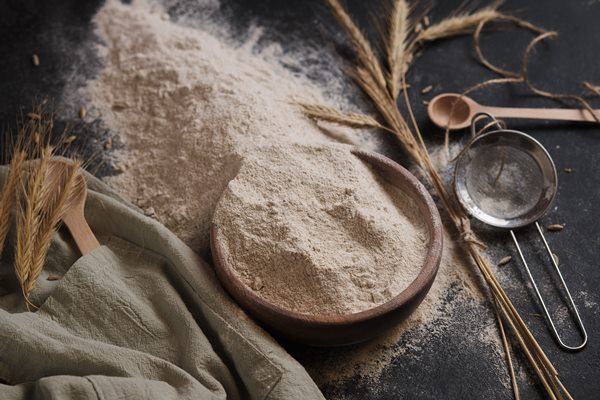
[503, 181]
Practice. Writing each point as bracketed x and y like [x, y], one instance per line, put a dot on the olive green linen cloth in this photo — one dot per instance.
[141, 317]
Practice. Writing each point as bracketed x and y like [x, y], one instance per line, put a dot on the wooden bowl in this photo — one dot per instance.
[337, 330]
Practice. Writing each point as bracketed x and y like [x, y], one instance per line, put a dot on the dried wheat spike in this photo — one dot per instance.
[9, 194]
[364, 51]
[395, 45]
[458, 25]
[60, 190]
[330, 114]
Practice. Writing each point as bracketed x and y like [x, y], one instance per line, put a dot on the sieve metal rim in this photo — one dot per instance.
[540, 208]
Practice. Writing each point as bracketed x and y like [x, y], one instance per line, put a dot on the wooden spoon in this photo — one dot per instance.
[73, 214]
[441, 111]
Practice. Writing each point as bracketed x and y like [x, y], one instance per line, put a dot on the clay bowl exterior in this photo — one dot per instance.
[337, 330]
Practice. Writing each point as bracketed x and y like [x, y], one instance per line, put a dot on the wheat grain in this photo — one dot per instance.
[555, 227]
[504, 261]
[427, 89]
[363, 49]
[396, 46]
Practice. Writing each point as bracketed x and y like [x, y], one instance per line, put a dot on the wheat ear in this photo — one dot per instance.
[458, 25]
[364, 51]
[29, 219]
[9, 194]
[58, 190]
[330, 114]
[395, 45]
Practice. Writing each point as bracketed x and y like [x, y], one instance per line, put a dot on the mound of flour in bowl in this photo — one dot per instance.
[314, 230]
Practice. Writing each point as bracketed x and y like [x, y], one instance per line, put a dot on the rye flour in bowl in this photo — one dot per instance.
[314, 230]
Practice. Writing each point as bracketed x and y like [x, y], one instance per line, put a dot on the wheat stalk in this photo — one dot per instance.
[59, 190]
[9, 194]
[330, 114]
[396, 46]
[458, 25]
[364, 51]
[416, 148]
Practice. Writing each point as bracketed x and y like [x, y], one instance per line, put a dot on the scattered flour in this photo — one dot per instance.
[588, 300]
[190, 107]
[455, 286]
[314, 230]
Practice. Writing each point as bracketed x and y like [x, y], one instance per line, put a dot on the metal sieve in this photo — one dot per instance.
[507, 179]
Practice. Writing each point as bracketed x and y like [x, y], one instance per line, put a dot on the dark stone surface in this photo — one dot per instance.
[450, 364]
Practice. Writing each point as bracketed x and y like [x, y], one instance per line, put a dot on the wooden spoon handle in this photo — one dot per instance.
[81, 232]
[542, 113]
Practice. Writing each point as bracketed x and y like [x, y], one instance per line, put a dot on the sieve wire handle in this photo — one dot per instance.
[539, 296]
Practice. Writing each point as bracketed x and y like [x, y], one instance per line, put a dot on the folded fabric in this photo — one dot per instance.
[141, 317]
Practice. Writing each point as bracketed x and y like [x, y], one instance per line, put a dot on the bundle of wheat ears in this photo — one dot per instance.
[40, 192]
[406, 36]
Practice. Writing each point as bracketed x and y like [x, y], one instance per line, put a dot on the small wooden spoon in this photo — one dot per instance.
[441, 111]
[75, 220]
[73, 215]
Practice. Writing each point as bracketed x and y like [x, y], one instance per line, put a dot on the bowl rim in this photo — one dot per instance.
[425, 277]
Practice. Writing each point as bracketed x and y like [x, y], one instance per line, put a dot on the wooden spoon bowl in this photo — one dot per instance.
[337, 330]
[73, 207]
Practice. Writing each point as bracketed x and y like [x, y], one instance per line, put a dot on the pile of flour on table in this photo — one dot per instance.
[189, 107]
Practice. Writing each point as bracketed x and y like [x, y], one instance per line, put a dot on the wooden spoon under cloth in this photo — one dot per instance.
[65, 194]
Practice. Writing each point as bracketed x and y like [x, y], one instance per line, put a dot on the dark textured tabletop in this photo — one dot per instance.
[60, 32]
